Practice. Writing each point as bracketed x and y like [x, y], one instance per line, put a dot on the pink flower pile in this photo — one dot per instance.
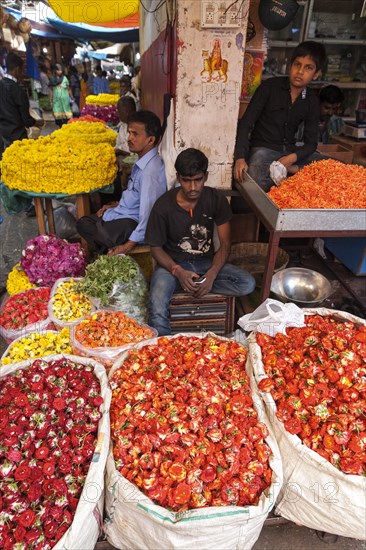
[47, 258]
[108, 113]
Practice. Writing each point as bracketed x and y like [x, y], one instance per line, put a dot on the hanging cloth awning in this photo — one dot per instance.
[91, 32]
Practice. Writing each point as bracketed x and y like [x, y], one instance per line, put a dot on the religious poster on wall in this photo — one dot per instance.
[215, 67]
[252, 73]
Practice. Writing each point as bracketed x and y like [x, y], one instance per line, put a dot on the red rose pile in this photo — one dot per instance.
[49, 417]
[317, 376]
[25, 308]
[184, 428]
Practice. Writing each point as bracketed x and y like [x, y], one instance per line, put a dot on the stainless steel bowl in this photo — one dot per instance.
[302, 286]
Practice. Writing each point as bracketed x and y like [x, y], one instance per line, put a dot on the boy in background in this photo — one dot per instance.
[331, 104]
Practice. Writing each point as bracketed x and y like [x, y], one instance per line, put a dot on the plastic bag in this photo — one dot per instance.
[10, 335]
[107, 356]
[75, 109]
[65, 223]
[314, 493]
[58, 322]
[87, 522]
[277, 172]
[272, 317]
[130, 298]
[48, 351]
[133, 521]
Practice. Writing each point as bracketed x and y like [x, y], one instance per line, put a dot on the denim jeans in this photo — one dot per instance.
[260, 160]
[230, 281]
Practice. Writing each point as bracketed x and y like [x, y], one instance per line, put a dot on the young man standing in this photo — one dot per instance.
[14, 103]
[121, 227]
[180, 232]
[266, 132]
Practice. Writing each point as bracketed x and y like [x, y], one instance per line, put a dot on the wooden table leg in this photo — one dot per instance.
[50, 217]
[82, 205]
[83, 209]
[40, 215]
[274, 240]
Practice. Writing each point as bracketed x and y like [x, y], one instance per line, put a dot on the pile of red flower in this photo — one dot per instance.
[317, 376]
[184, 428]
[49, 417]
[25, 308]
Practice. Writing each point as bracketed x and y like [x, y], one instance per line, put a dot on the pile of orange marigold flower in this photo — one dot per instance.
[323, 184]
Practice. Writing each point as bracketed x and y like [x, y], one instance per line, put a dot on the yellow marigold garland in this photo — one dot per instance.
[18, 281]
[90, 132]
[58, 165]
[102, 99]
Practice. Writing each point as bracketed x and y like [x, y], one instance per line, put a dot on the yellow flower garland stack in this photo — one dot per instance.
[78, 158]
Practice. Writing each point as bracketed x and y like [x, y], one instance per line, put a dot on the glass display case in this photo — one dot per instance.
[336, 21]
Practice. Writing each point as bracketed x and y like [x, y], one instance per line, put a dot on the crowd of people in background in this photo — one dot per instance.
[59, 84]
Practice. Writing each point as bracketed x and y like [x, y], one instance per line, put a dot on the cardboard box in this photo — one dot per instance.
[336, 151]
[357, 146]
[351, 251]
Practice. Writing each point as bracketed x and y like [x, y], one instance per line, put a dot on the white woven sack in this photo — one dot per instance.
[88, 519]
[314, 492]
[133, 521]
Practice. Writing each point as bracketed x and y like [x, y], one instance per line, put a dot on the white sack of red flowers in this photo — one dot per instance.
[54, 426]
[313, 384]
[193, 463]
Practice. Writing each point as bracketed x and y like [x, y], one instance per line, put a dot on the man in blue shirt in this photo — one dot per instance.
[119, 228]
[100, 82]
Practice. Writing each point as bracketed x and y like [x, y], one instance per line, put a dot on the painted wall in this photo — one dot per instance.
[209, 76]
[202, 68]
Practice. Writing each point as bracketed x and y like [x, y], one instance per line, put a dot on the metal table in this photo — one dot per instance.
[306, 222]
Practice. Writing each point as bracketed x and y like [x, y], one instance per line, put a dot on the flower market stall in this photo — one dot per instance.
[303, 207]
[208, 435]
[198, 455]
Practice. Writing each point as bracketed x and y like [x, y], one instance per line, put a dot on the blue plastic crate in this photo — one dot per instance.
[351, 251]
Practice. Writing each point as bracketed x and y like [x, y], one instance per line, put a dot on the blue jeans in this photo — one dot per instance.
[260, 160]
[230, 281]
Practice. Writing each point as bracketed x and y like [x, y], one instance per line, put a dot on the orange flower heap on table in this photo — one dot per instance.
[323, 184]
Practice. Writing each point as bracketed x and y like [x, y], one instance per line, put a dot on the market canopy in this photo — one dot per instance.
[92, 32]
[104, 53]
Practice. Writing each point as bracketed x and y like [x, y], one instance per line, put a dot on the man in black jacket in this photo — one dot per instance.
[14, 103]
[267, 130]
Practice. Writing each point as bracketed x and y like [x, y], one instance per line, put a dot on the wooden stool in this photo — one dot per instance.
[213, 312]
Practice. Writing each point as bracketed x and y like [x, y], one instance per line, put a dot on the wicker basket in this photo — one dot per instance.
[252, 257]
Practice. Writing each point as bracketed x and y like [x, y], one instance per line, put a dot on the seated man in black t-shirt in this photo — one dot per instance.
[180, 232]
